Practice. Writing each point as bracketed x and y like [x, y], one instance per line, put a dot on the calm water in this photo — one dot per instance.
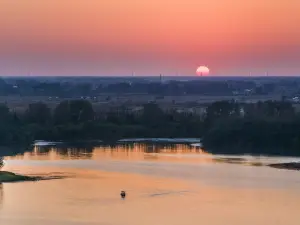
[173, 184]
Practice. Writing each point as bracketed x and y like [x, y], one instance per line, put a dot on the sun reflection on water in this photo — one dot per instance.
[135, 151]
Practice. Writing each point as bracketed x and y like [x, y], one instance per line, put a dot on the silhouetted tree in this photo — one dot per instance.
[152, 114]
[81, 111]
[38, 113]
[4, 112]
[74, 111]
[222, 109]
[62, 113]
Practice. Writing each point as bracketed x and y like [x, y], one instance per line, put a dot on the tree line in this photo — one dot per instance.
[66, 89]
[226, 127]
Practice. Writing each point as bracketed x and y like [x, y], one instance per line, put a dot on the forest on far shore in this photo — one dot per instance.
[270, 127]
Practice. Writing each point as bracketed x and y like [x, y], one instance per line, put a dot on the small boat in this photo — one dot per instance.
[123, 194]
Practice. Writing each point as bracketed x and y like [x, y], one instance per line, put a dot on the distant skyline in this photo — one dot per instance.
[149, 37]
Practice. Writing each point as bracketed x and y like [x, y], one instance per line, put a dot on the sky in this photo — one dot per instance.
[149, 37]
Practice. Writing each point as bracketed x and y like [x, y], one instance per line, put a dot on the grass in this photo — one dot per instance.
[12, 177]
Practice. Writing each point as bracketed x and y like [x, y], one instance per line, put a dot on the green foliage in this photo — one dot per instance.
[222, 109]
[152, 114]
[12, 177]
[270, 127]
[38, 113]
[263, 127]
[74, 111]
[4, 113]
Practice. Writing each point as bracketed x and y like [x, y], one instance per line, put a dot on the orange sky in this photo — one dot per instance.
[110, 37]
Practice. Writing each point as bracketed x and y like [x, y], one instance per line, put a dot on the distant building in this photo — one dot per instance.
[296, 99]
[201, 111]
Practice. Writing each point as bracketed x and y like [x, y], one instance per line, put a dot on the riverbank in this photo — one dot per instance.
[12, 177]
[286, 166]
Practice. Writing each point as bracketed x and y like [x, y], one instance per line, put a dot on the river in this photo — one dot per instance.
[165, 184]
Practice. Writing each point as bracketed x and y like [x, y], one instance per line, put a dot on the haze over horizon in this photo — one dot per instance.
[149, 37]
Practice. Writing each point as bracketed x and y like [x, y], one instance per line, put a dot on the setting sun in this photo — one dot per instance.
[202, 70]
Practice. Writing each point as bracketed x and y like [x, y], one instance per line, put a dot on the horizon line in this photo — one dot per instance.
[158, 76]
